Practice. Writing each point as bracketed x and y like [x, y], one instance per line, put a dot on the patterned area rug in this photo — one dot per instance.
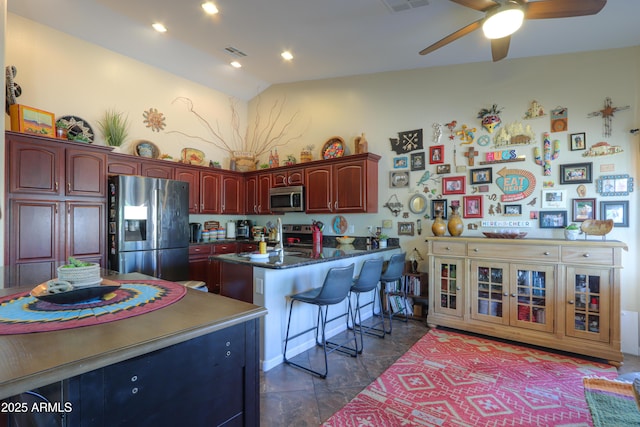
[451, 379]
[612, 403]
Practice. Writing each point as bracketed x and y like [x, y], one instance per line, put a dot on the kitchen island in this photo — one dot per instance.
[271, 281]
[194, 362]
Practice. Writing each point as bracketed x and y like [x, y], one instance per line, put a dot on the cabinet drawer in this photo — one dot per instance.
[516, 252]
[599, 256]
[449, 248]
[224, 248]
[200, 249]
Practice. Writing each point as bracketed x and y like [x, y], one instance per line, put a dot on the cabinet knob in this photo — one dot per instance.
[55, 186]
[506, 294]
[547, 253]
[458, 288]
[513, 295]
[587, 255]
[69, 187]
[571, 301]
[476, 250]
[447, 248]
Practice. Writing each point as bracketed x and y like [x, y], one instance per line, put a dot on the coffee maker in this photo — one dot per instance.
[243, 229]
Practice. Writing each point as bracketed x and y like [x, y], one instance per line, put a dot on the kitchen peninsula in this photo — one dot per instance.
[193, 362]
[273, 279]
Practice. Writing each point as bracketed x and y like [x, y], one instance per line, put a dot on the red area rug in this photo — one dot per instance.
[451, 379]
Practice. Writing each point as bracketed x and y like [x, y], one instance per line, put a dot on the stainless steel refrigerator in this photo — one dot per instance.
[149, 226]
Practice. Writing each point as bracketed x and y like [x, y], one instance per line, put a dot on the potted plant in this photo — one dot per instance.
[382, 238]
[62, 129]
[572, 231]
[114, 127]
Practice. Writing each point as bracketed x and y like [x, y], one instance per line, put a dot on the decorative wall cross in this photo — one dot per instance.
[607, 114]
[470, 154]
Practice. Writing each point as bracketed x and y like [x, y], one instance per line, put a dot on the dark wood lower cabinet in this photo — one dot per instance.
[238, 281]
[212, 380]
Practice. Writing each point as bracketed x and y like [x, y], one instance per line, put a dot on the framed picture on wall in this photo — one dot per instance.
[554, 199]
[439, 205]
[417, 161]
[400, 162]
[576, 173]
[399, 179]
[436, 154]
[553, 219]
[453, 185]
[618, 211]
[578, 141]
[583, 209]
[481, 176]
[472, 207]
[405, 229]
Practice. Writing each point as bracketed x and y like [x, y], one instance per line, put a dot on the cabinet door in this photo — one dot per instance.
[349, 187]
[35, 168]
[251, 195]
[295, 177]
[154, 170]
[319, 186]
[489, 287]
[264, 185]
[191, 176]
[279, 178]
[85, 173]
[210, 193]
[532, 296]
[86, 232]
[588, 303]
[215, 274]
[232, 197]
[449, 282]
[35, 231]
[119, 166]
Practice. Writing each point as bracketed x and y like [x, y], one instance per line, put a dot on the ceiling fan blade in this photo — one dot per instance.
[500, 48]
[563, 8]
[479, 5]
[453, 37]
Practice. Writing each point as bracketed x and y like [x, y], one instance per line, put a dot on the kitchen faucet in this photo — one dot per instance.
[279, 246]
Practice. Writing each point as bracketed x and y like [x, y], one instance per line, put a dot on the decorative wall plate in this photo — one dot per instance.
[340, 224]
[77, 126]
[333, 148]
[147, 149]
[192, 156]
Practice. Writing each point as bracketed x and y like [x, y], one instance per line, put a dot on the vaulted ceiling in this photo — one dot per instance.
[328, 38]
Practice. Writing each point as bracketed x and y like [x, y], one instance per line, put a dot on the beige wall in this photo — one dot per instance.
[383, 104]
[65, 75]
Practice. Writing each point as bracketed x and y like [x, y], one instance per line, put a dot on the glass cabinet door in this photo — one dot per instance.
[489, 291]
[532, 295]
[449, 277]
[588, 293]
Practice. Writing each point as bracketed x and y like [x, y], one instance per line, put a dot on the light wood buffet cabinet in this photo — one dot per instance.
[558, 294]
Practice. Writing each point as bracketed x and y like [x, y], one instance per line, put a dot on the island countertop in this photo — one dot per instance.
[299, 257]
[28, 361]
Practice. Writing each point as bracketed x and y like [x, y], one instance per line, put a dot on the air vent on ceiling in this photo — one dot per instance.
[400, 5]
[235, 52]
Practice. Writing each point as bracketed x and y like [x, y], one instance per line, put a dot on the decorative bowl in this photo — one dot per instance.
[505, 234]
[345, 240]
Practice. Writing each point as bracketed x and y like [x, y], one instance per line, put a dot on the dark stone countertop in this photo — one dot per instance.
[298, 257]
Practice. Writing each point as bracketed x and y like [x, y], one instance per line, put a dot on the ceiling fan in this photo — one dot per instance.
[504, 17]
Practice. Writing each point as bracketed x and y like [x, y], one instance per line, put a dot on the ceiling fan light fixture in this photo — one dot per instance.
[504, 22]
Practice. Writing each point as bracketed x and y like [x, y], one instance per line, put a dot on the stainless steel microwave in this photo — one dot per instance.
[287, 199]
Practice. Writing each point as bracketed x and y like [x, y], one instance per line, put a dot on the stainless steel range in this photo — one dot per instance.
[297, 235]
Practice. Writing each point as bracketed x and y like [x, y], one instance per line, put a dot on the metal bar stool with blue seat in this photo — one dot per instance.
[367, 281]
[391, 280]
[334, 290]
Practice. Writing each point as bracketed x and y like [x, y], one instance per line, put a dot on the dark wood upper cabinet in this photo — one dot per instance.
[287, 177]
[122, 165]
[192, 177]
[318, 196]
[154, 170]
[85, 173]
[35, 168]
[232, 194]
[257, 193]
[210, 193]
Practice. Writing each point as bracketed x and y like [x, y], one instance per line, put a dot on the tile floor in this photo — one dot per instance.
[292, 397]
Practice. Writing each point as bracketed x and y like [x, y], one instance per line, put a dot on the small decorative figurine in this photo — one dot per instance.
[361, 144]
[535, 111]
[437, 132]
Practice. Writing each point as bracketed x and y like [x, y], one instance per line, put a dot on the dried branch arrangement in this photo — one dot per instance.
[264, 135]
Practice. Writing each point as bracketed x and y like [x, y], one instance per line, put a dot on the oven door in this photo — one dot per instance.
[287, 199]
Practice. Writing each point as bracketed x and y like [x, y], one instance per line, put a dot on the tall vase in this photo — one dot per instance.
[455, 225]
[439, 227]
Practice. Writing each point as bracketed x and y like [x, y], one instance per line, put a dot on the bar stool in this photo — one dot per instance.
[393, 275]
[367, 281]
[334, 290]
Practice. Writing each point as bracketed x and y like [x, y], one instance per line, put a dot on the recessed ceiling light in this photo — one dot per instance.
[288, 56]
[159, 27]
[209, 8]
[236, 64]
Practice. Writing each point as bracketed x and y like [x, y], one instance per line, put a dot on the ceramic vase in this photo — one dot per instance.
[439, 227]
[455, 225]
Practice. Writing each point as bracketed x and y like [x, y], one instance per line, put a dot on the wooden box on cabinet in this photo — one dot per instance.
[558, 294]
